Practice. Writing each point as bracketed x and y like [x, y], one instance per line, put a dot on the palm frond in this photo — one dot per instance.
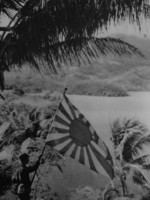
[143, 160]
[137, 174]
[130, 140]
[38, 30]
[97, 12]
[82, 18]
[77, 50]
[132, 149]
[54, 32]
[120, 128]
[135, 124]
[117, 47]
[145, 140]
[125, 146]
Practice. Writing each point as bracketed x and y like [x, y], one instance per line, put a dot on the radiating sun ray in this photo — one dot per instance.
[62, 109]
[65, 149]
[58, 125]
[71, 108]
[62, 121]
[63, 117]
[97, 148]
[60, 146]
[69, 152]
[81, 159]
[98, 167]
[77, 113]
[102, 146]
[59, 130]
[92, 166]
[91, 129]
[67, 109]
[86, 159]
[55, 142]
[73, 154]
[56, 135]
[78, 153]
[101, 159]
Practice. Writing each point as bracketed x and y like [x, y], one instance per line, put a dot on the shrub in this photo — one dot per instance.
[98, 88]
[18, 91]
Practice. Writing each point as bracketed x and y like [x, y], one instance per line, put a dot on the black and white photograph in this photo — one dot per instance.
[74, 99]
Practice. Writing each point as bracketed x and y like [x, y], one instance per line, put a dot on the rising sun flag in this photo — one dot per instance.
[73, 135]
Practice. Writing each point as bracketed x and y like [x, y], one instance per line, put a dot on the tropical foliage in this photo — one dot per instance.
[47, 34]
[23, 128]
[130, 138]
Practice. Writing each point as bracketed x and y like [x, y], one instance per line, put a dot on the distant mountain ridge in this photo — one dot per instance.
[131, 73]
[109, 76]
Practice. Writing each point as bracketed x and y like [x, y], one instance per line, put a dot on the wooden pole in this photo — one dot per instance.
[2, 96]
[49, 131]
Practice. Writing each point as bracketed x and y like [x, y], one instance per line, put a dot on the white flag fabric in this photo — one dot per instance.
[72, 134]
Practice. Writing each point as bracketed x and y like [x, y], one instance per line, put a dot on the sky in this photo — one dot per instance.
[130, 29]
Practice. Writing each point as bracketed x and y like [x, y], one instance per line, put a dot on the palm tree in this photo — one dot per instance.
[130, 137]
[48, 33]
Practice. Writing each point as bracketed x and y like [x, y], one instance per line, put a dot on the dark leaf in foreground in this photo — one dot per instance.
[47, 34]
[77, 50]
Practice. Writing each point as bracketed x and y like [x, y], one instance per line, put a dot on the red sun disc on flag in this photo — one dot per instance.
[80, 133]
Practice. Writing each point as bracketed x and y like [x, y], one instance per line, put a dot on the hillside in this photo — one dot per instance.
[109, 76]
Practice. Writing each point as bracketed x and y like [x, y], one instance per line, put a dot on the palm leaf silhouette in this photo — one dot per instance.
[143, 160]
[120, 128]
[130, 137]
[126, 145]
[138, 173]
[46, 34]
[78, 50]
[134, 144]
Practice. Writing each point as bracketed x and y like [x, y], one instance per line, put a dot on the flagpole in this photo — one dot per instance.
[50, 130]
